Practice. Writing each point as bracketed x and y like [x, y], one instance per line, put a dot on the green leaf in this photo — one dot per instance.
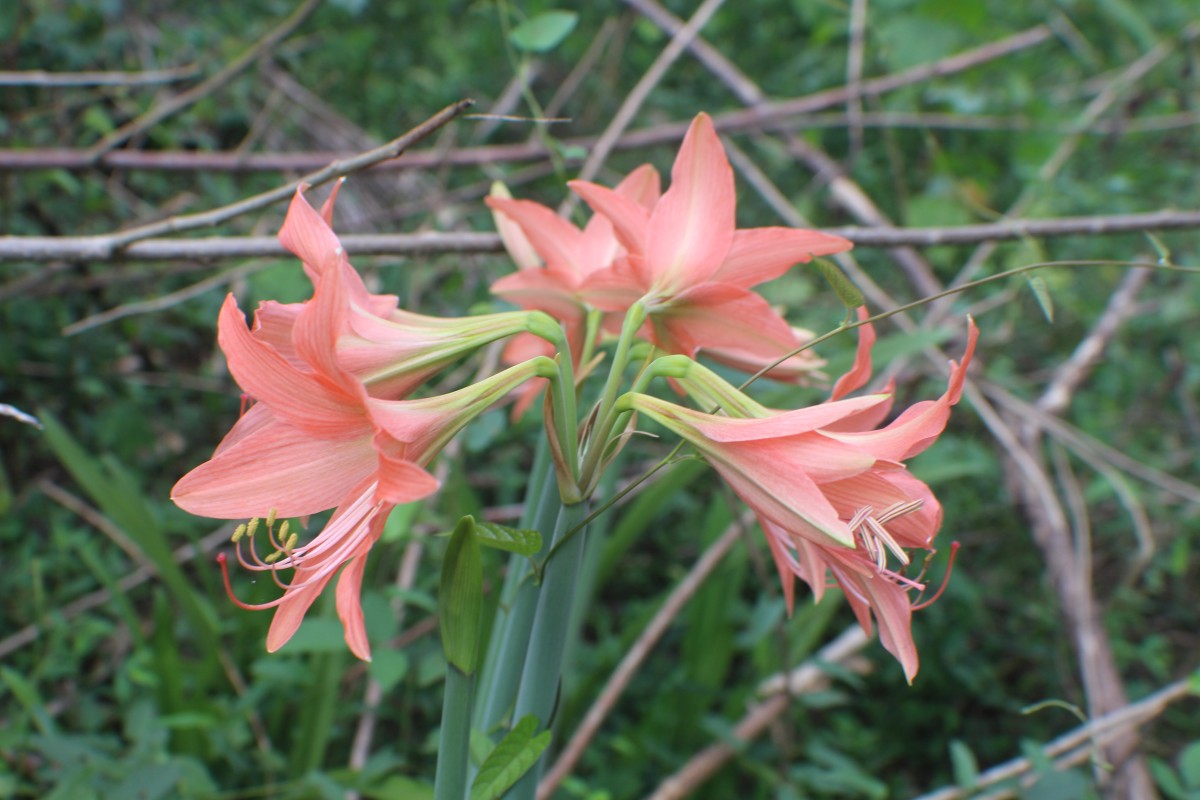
[966, 768]
[1189, 765]
[513, 540]
[27, 695]
[543, 31]
[512, 758]
[846, 291]
[460, 597]
[1037, 284]
[388, 667]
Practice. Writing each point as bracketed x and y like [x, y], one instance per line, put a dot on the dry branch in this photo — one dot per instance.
[41, 77]
[101, 248]
[211, 84]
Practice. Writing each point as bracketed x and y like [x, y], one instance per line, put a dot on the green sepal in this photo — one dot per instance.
[460, 597]
[512, 758]
[845, 290]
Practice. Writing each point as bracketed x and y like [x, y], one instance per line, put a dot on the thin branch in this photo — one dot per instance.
[12, 160]
[764, 116]
[637, 653]
[113, 245]
[219, 79]
[806, 678]
[98, 248]
[638, 94]
[41, 77]
[1080, 740]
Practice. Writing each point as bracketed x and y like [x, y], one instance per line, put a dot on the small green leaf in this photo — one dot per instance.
[460, 597]
[1189, 765]
[966, 768]
[846, 291]
[512, 758]
[1160, 247]
[1037, 284]
[388, 667]
[512, 540]
[543, 31]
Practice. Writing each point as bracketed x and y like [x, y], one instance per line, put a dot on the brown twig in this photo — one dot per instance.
[603, 705]
[1077, 744]
[234, 161]
[804, 679]
[641, 90]
[97, 248]
[41, 77]
[109, 246]
[172, 105]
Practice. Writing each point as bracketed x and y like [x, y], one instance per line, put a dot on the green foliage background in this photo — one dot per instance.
[164, 690]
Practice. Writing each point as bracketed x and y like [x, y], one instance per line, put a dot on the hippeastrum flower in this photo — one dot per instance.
[392, 350]
[315, 440]
[691, 269]
[555, 258]
[830, 490]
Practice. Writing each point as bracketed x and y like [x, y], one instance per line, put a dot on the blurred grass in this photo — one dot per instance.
[165, 690]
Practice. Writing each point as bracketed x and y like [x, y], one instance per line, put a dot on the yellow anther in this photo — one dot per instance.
[283, 531]
[252, 528]
[239, 532]
[290, 543]
[271, 518]
[271, 559]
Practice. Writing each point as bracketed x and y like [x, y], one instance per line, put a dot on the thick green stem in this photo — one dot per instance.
[454, 742]
[514, 615]
[541, 676]
[605, 418]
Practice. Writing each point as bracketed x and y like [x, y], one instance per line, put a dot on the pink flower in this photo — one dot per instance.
[690, 267]
[320, 436]
[831, 489]
[555, 258]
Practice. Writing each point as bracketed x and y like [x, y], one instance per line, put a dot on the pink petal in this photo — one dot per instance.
[783, 424]
[762, 254]
[327, 206]
[642, 186]
[402, 481]
[274, 466]
[294, 396]
[692, 226]
[290, 613]
[630, 220]
[724, 316]
[893, 611]
[614, 289]
[785, 495]
[306, 234]
[557, 241]
[540, 289]
[860, 373]
[918, 426]
[349, 591]
[273, 325]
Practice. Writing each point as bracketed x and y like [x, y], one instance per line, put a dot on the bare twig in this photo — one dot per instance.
[854, 73]
[96, 248]
[804, 679]
[109, 246]
[1077, 743]
[223, 76]
[603, 705]
[235, 161]
[638, 94]
[41, 77]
